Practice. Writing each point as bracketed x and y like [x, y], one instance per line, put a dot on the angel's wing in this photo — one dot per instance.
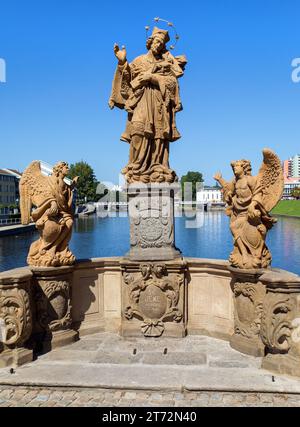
[270, 179]
[32, 184]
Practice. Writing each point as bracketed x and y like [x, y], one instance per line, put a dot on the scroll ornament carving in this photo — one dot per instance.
[15, 312]
[154, 298]
[248, 318]
[276, 328]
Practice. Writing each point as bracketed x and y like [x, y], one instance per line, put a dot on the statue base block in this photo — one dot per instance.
[16, 357]
[53, 296]
[283, 364]
[252, 347]
[59, 339]
[154, 299]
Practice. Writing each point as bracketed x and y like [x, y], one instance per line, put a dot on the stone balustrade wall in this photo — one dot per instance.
[258, 312]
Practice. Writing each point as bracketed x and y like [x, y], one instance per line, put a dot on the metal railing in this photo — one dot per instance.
[12, 221]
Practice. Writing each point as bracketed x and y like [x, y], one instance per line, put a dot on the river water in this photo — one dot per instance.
[205, 236]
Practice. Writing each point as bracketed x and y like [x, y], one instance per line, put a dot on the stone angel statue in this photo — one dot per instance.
[53, 215]
[147, 88]
[249, 200]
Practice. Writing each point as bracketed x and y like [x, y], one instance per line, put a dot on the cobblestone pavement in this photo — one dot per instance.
[34, 397]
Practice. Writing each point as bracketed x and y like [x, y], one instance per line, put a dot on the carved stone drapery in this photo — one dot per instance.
[151, 214]
[53, 288]
[153, 299]
[15, 318]
[249, 294]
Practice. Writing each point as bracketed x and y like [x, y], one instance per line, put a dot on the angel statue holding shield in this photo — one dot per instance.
[53, 215]
[147, 88]
[249, 200]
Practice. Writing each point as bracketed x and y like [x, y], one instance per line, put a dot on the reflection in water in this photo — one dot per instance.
[205, 235]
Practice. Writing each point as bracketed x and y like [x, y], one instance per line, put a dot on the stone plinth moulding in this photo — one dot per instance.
[154, 299]
[280, 329]
[52, 294]
[151, 213]
[249, 293]
[15, 318]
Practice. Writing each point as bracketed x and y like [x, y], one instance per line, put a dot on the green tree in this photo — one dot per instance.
[87, 183]
[296, 193]
[193, 178]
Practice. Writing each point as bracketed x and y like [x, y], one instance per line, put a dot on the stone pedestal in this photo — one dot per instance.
[154, 299]
[151, 214]
[249, 294]
[53, 326]
[15, 318]
[280, 328]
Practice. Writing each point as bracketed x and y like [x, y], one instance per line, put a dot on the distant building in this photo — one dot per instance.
[295, 166]
[289, 186]
[291, 167]
[210, 195]
[287, 168]
[9, 187]
[291, 173]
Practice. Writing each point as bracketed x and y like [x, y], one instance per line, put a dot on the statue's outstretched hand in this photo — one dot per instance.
[120, 54]
[218, 176]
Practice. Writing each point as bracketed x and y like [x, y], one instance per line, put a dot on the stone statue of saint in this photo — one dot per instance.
[53, 215]
[148, 90]
[249, 200]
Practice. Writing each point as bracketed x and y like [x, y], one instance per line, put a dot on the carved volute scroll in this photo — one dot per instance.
[276, 328]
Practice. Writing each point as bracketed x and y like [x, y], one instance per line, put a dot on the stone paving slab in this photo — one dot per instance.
[46, 397]
[108, 361]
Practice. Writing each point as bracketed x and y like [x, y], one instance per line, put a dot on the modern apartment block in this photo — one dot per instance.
[291, 167]
[291, 172]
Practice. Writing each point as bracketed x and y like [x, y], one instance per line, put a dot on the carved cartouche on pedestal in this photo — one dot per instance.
[249, 200]
[153, 301]
[53, 287]
[249, 294]
[15, 318]
[53, 216]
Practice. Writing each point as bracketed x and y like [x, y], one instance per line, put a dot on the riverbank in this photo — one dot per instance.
[290, 208]
[10, 230]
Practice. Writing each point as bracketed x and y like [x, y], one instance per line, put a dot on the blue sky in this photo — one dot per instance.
[237, 91]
